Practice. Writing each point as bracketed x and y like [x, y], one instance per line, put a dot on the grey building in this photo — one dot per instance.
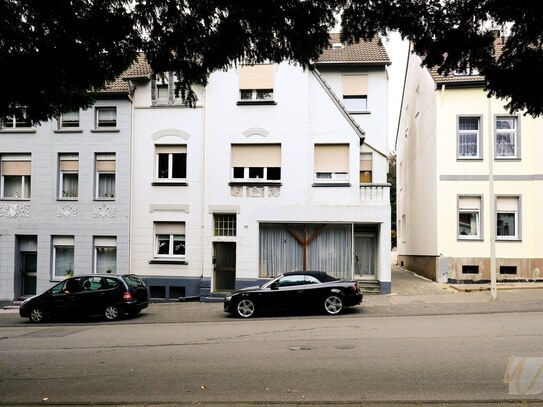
[64, 195]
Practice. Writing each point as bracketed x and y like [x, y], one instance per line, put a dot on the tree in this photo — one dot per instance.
[56, 55]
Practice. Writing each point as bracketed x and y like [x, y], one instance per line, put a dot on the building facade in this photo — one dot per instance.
[64, 195]
[277, 168]
[469, 181]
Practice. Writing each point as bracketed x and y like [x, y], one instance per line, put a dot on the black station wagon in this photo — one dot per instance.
[110, 295]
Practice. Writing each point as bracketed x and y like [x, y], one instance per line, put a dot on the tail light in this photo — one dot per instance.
[127, 296]
[356, 287]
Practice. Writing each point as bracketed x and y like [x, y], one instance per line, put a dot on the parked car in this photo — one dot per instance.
[295, 290]
[109, 295]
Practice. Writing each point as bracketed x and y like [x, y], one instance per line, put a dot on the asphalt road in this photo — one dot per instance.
[298, 359]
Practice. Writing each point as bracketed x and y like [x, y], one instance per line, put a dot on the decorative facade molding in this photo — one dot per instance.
[15, 210]
[103, 211]
[67, 210]
[246, 191]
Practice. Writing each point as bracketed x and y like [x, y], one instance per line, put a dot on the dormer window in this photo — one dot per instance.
[337, 45]
[163, 89]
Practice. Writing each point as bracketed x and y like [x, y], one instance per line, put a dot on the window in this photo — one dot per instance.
[355, 92]
[163, 89]
[63, 256]
[15, 173]
[171, 162]
[469, 217]
[224, 224]
[256, 83]
[68, 175]
[366, 164]
[506, 137]
[105, 255]
[17, 121]
[256, 163]
[507, 218]
[69, 120]
[469, 137]
[106, 117]
[170, 239]
[105, 176]
[332, 163]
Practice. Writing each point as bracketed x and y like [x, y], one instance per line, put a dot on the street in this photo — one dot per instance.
[300, 359]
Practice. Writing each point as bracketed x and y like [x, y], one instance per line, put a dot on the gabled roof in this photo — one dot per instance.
[364, 52]
[464, 79]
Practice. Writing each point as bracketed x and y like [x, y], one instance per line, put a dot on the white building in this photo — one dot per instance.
[277, 168]
[469, 181]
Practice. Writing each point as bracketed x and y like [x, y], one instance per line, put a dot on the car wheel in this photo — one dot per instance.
[112, 312]
[245, 308]
[333, 304]
[36, 315]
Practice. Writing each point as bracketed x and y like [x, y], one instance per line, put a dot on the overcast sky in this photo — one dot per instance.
[397, 50]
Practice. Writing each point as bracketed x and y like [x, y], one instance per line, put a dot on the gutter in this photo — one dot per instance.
[356, 127]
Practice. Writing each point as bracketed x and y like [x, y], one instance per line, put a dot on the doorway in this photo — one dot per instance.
[365, 250]
[224, 266]
[29, 268]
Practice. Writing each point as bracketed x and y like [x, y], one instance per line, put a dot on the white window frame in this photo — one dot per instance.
[70, 123]
[256, 94]
[102, 123]
[465, 133]
[104, 242]
[250, 164]
[16, 121]
[514, 132]
[170, 155]
[99, 173]
[224, 224]
[62, 173]
[477, 211]
[516, 216]
[171, 232]
[62, 242]
[25, 180]
[339, 176]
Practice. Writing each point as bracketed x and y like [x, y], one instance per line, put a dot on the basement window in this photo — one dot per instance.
[467, 269]
[508, 270]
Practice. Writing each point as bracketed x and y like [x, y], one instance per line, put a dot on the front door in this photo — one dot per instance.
[224, 266]
[365, 248]
[29, 267]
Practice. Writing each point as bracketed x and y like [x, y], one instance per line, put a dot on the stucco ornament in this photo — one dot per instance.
[274, 192]
[103, 211]
[67, 210]
[15, 210]
[255, 192]
[236, 191]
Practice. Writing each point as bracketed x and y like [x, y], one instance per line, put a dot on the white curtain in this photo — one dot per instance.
[106, 185]
[106, 259]
[64, 261]
[330, 251]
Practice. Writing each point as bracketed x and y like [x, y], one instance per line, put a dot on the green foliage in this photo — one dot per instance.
[55, 55]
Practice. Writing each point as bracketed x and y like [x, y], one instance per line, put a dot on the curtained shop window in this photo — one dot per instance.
[329, 251]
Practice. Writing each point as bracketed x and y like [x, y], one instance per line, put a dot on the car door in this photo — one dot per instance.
[90, 300]
[287, 292]
[313, 293]
[56, 301]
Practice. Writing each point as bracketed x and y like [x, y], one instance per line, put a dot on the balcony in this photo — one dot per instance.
[375, 194]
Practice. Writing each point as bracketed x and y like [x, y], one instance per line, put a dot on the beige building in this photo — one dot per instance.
[469, 181]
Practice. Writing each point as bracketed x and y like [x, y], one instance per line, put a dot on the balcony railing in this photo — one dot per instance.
[375, 193]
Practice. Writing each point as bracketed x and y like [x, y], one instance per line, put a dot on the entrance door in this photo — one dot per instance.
[29, 266]
[224, 260]
[365, 247]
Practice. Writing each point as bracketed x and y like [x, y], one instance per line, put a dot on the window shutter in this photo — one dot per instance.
[256, 76]
[469, 202]
[105, 241]
[16, 168]
[171, 149]
[169, 228]
[251, 155]
[332, 158]
[355, 85]
[507, 204]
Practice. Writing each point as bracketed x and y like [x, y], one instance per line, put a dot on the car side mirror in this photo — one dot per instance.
[274, 286]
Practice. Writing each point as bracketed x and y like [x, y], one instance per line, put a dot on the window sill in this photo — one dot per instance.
[255, 183]
[74, 199]
[480, 159]
[508, 239]
[15, 199]
[18, 131]
[356, 112]
[167, 261]
[169, 183]
[72, 130]
[507, 158]
[467, 239]
[105, 199]
[255, 102]
[331, 184]
[106, 130]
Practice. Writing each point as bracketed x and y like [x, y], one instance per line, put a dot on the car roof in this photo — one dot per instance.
[319, 275]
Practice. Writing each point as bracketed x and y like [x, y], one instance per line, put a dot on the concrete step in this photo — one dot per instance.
[369, 287]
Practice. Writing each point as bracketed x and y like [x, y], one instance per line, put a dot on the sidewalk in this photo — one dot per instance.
[411, 295]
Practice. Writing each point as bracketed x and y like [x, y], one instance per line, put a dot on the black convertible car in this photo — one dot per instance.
[295, 290]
